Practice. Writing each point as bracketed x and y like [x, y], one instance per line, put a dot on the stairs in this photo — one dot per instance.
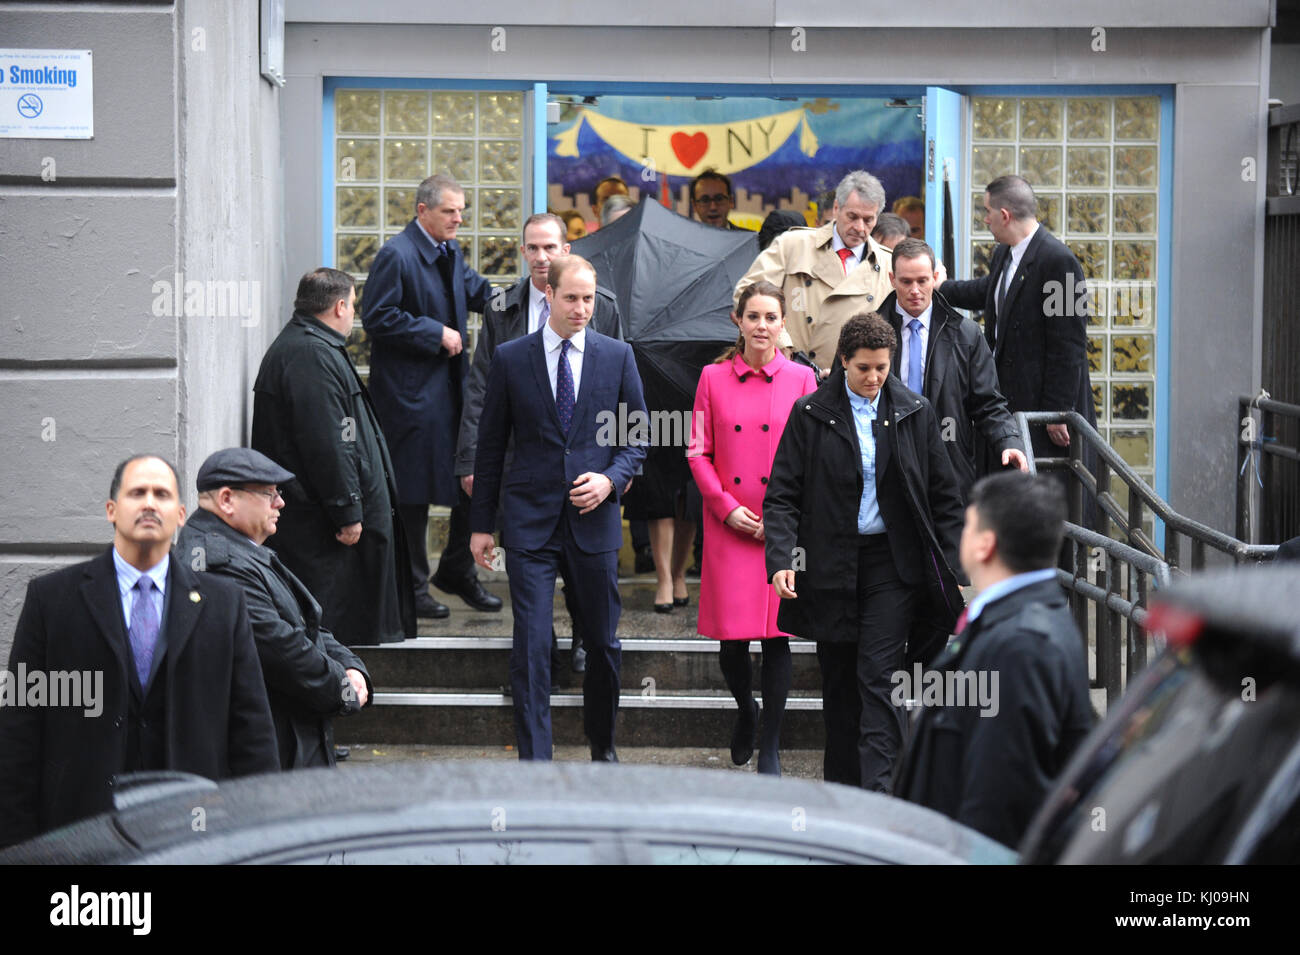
[450, 686]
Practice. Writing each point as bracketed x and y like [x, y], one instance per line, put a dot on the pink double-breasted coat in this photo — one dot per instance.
[737, 424]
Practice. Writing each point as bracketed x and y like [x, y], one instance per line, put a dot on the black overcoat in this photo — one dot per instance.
[304, 666]
[312, 415]
[1040, 344]
[810, 511]
[411, 294]
[57, 762]
[991, 772]
[962, 387]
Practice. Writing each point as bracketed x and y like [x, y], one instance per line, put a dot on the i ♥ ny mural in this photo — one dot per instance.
[778, 154]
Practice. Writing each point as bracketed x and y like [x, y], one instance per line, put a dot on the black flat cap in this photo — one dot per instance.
[232, 467]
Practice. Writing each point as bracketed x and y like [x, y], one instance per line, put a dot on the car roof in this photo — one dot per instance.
[1252, 599]
[317, 806]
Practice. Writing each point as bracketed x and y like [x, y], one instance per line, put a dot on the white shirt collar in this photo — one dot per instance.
[837, 243]
[551, 341]
[1018, 249]
[923, 318]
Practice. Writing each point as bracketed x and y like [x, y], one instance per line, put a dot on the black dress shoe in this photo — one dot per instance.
[472, 592]
[430, 609]
[663, 608]
[578, 657]
[682, 601]
[341, 753]
[602, 754]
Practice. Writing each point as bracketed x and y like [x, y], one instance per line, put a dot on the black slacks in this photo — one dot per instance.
[456, 566]
[864, 730]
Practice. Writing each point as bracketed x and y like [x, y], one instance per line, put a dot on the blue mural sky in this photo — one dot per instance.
[851, 133]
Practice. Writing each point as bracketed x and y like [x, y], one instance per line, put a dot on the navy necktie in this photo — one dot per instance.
[144, 628]
[915, 354]
[564, 396]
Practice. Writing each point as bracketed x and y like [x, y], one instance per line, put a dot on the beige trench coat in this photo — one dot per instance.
[819, 297]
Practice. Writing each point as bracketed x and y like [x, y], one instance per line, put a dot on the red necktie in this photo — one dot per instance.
[961, 623]
[845, 255]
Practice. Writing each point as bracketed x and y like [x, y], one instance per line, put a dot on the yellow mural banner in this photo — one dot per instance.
[687, 149]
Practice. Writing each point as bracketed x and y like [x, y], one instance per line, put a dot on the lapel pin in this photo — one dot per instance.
[195, 597]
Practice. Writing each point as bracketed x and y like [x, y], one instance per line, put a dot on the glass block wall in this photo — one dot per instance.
[387, 141]
[1094, 164]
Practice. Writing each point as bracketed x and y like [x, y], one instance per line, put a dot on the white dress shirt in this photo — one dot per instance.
[536, 300]
[551, 342]
[905, 352]
[837, 243]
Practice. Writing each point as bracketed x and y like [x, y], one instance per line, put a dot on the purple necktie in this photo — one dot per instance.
[144, 628]
[564, 397]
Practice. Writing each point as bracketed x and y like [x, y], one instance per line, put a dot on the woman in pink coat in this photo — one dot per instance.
[741, 406]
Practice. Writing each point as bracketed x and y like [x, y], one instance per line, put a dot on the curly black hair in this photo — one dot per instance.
[869, 331]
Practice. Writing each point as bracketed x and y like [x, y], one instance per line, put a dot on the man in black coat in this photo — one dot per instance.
[415, 311]
[144, 666]
[987, 759]
[952, 366]
[520, 311]
[1036, 309]
[862, 517]
[338, 532]
[310, 676]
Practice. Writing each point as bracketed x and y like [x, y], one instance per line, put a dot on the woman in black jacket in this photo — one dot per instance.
[863, 519]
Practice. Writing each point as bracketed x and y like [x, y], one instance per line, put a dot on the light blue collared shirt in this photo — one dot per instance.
[126, 578]
[864, 412]
[437, 246]
[1004, 587]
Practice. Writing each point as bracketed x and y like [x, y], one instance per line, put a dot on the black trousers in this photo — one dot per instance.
[456, 566]
[591, 590]
[864, 730]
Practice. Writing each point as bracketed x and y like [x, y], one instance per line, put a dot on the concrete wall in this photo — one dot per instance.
[183, 176]
[1219, 76]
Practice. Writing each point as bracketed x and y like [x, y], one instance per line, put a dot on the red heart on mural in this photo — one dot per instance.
[689, 149]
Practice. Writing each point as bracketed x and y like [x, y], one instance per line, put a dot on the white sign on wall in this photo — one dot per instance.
[46, 94]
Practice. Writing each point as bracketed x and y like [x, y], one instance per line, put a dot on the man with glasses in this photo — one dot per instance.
[712, 199]
[310, 676]
[338, 531]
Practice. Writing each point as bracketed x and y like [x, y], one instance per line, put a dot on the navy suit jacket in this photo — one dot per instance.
[534, 492]
[412, 293]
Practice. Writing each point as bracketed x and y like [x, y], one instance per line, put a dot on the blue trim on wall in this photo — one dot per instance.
[423, 83]
[540, 95]
[791, 90]
[327, 177]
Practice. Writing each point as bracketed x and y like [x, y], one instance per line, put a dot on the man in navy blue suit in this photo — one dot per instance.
[560, 497]
[414, 311]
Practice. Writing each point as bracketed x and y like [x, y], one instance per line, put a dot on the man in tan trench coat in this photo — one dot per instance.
[829, 274]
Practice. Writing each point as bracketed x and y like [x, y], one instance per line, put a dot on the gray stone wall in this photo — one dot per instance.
[100, 358]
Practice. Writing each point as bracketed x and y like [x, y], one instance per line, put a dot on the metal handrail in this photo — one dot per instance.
[1113, 578]
[1201, 535]
[1258, 439]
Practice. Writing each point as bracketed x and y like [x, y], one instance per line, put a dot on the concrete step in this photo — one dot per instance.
[455, 662]
[434, 717]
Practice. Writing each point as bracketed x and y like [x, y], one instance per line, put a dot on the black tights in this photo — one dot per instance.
[733, 656]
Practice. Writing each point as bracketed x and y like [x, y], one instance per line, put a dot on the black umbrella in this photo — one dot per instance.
[673, 278]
